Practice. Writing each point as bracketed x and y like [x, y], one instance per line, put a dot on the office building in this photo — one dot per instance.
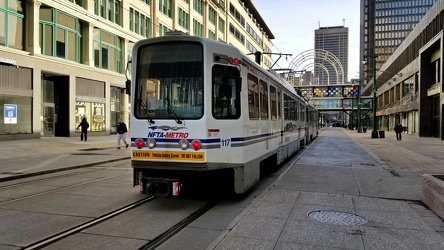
[332, 40]
[409, 84]
[384, 25]
[61, 60]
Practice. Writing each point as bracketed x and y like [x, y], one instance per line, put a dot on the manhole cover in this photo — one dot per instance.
[337, 218]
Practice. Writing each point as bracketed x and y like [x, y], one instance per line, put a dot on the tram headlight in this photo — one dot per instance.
[151, 143]
[196, 144]
[183, 144]
[139, 142]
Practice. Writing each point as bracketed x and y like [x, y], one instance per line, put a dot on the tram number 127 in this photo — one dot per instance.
[225, 142]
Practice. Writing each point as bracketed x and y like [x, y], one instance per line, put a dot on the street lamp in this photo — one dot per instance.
[359, 107]
[375, 130]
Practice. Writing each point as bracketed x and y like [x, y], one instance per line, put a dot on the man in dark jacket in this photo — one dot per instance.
[121, 133]
[398, 131]
[84, 125]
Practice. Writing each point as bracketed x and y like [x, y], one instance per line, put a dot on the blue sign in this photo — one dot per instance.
[10, 114]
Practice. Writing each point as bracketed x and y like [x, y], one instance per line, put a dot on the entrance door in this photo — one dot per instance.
[48, 121]
[435, 116]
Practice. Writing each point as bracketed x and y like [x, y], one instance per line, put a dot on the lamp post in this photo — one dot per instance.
[375, 129]
[359, 107]
[352, 118]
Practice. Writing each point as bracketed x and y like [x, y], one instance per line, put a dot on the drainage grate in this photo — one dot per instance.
[337, 218]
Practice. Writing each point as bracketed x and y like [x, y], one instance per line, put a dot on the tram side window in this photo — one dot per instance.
[273, 103]
[279, 104]
[293, 109]
[286, 107]
[264, 100]
[296, 110]
[253, 97]
[302, 112]
[226, 97]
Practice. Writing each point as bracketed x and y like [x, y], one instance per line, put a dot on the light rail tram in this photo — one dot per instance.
[204, 112]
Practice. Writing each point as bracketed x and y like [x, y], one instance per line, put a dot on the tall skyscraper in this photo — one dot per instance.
[384, 25]
[332, 40]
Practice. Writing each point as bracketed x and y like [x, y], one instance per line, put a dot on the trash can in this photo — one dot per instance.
[381, 134]
[364, 129]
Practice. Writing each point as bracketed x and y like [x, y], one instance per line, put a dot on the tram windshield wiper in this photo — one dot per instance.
[171, 111]
[145, 111]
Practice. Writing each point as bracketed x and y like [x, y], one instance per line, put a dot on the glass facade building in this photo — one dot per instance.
[385, 24]
[332, 40]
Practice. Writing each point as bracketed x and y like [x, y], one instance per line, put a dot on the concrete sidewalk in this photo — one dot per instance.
[22, 158]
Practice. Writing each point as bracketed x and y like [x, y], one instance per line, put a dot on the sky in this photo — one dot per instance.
[293, 23]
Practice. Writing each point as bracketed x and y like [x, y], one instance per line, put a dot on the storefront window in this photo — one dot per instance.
[409, 86]
[20, 110]
[94, 113]
[115, 108]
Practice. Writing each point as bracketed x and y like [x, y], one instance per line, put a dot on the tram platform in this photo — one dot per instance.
[344, 191]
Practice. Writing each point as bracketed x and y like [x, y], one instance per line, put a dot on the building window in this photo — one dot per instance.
[166, 7]
[198, 6]
[198, 27]
[222, 4]
[11, 24]
[115, 93]
[221, 25]
[60, 34]
[148, 2]
[108, 9]
[211, 35]
[139, 23]
[131, 19]
[78, 2]
[136, 22]
[212, 15]
[236, 33]
[237, 15]
[163, 29]
[22, 119]
[94, 112]
[184, 19]
[16, 110]
[107, 51]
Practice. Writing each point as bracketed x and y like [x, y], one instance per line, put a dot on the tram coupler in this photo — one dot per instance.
[160, 187]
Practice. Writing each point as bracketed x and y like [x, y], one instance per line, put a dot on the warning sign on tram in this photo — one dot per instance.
[169, 155]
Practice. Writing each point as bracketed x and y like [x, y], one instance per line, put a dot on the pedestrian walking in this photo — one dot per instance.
[121, 133]
[398, 131]
[84, 125]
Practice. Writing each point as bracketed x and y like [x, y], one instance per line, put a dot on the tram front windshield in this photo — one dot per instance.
[169, 81]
